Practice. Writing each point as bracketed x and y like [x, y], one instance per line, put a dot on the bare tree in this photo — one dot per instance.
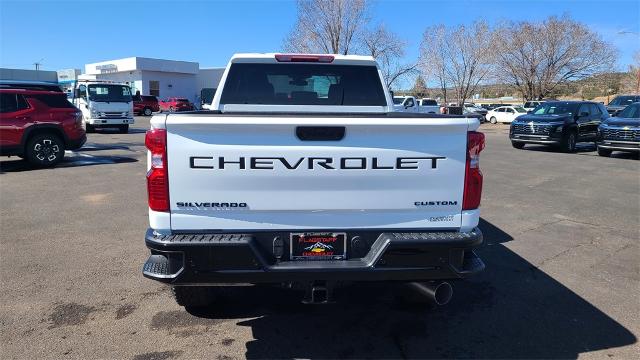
[328, 26]
[433, 57]
[343, 27]
[535, 58]
[388, 50]
[631, 80]
[457, 57]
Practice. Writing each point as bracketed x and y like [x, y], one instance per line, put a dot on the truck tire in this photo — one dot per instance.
[604, 152]
[44, 150]
[193, 296]
[517, 144]
[568, 144]
[147, 111]
[123, 128]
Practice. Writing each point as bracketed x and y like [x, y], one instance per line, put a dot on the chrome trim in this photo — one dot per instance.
[536, 141]
[613, 147]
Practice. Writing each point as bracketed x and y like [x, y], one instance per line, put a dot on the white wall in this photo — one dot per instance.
[182, 85]
[143, 64]
[209, 78]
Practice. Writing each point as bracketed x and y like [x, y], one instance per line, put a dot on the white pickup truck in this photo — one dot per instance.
[411, 104]
[303, 175]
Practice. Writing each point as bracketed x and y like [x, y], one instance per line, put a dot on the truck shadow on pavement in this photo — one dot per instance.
[511, 310]
[81, 157]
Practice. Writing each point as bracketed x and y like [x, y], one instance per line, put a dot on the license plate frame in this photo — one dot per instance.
[302, 246]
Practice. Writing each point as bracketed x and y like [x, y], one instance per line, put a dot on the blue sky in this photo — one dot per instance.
[70, 34]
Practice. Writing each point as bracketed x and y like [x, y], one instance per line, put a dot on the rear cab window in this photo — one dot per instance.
[54, 101]
[12, 102]
[303, 84]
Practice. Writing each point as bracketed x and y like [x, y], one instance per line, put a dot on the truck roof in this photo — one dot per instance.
[270, 58]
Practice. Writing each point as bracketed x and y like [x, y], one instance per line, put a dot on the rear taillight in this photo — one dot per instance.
[157, 179]
[473, 175]
[304, 58]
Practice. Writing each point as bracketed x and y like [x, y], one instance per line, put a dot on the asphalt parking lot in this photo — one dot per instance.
[561, 249]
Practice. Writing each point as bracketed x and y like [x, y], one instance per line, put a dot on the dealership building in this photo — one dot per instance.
[158, 77]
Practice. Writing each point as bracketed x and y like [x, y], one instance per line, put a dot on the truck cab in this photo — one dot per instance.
[104, 104]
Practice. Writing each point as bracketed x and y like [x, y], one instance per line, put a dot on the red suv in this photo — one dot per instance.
[145, 105]
[176, 104]
[39, 125]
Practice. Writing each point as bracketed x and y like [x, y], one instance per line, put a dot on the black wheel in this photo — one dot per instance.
[44, 150]
[170, 108]
[123, 128]
[90, 128]
[193, 296]
[147, 111]
[517, 144]
[569, 142]
[493, 120]
[604, 152]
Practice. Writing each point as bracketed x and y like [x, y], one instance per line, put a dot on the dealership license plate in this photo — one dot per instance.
[318, 246]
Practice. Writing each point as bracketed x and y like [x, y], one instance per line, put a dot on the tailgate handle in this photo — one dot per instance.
[320, 133]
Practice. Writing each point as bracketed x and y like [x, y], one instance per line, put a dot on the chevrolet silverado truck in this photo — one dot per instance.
[304, 175]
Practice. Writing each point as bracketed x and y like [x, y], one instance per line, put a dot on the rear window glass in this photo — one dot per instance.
[182, 100]
[303, 84]
[429, 103]
[631, 111]
[556, 108]
[624, 100]
[149, 98]
[54, 101]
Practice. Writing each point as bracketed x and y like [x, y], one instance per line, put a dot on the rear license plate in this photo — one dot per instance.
[318, 246]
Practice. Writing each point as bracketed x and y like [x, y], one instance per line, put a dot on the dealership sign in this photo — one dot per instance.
[107, 68]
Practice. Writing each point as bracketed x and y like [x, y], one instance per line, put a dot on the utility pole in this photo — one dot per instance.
[38, 64]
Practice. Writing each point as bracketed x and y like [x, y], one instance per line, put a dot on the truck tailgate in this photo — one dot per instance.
[254, 172]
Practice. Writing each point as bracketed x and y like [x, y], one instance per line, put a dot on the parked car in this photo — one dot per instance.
[145, 104]
[233, 213]
[176, 104]
[405, 103]
[206, 97]
[475, 109]
[559, 123]
[39, 125]
[491, 106]
[505, 114]
[530, 105]
[620, 102]
[428, 106]
[620, 133]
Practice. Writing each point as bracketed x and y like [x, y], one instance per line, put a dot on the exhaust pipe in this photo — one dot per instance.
[437, 293]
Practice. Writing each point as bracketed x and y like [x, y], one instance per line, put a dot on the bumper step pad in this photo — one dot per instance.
[193, 259]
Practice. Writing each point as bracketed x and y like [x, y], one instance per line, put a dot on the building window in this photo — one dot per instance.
[154, 88]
